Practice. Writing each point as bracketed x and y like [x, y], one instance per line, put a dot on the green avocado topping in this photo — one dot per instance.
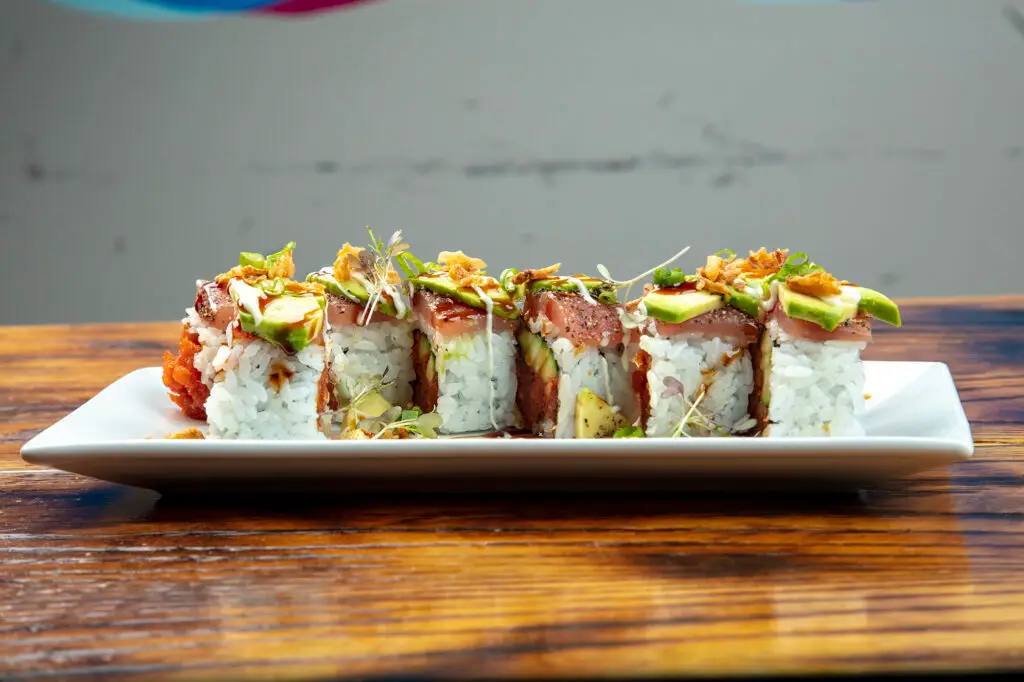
[441, 283]
[261, 262]
[291, 322]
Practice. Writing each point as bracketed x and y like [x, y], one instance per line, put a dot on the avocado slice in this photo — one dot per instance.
[289, 322]
[538, 355]
[595, 418]
[601, 290]
[879, 305]
[825, 314]
[441, 283]
[373, 404]
[675, 308]
[743, 302]
[351, 290]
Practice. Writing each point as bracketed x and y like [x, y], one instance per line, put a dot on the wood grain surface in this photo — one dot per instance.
[98, 580]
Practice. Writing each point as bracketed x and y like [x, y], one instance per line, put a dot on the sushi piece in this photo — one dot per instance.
[369, 328]
[694, 365]
[464, 345]
[809, 371]
[251, 358]
[570, 356]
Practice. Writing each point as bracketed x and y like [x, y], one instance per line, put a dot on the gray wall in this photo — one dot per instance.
[885, 138]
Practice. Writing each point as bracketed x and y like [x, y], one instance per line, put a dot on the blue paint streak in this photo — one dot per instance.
[131, 9]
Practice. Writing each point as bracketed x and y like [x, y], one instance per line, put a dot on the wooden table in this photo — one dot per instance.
[919, 574]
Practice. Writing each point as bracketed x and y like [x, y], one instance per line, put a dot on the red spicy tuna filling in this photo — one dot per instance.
[183, 380]
[537, 399]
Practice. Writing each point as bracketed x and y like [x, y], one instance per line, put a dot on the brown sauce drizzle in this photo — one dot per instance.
[280, 374]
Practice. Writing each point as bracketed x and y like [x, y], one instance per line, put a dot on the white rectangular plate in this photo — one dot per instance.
[914, 421]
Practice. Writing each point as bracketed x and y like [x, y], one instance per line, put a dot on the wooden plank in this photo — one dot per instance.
[916, 574]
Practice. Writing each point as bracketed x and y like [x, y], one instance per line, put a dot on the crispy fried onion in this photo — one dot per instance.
[540, 273]
[464, 270]
[819, 284]
[718, 274]
[283, 267]
[347, 261]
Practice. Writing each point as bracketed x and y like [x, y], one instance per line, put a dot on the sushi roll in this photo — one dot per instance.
[369, 328]
[464, 345]
[571, 379]
[694, 362]
[809, 370]
[251, 359]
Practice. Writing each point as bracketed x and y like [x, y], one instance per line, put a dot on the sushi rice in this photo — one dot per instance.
[600, 370]
[210, 339]
[465, 382]
[360, 355]
[250, 401]
[697, 361]
[244, 402]
[814, 389]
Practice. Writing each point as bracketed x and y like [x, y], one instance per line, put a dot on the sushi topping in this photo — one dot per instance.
[723, 270]
[384, 281]
[348, 261]
[270, 304]
[820, 284]
[460, 278]
[257, 276]
[464, 270]
[590, 289]
[627, 284]
[272, 274]
[527, 276]
[289, 321]
[368, 277]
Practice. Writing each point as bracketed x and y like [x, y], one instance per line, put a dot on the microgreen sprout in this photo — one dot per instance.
[627, 284]
[377, 264]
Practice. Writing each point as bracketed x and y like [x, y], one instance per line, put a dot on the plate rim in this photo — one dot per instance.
[959, 447]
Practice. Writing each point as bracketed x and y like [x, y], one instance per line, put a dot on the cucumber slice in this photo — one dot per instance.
[538, 355]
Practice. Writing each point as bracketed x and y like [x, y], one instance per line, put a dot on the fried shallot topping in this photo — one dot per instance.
[718, 274]
[530, 275]
[348, 261]
[278, 268]
[819, 284]
[355, 260]
[283, 267]
[464, 270]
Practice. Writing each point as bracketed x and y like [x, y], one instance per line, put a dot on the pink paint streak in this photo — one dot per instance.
[307, 6]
